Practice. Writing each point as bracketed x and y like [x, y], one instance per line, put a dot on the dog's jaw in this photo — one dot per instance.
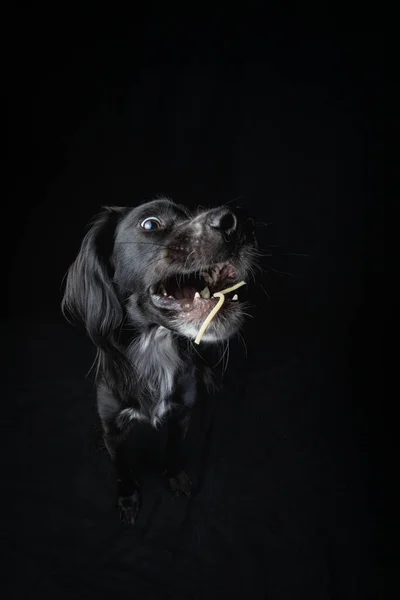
[217, 331]
[142, 314]
[183, 302]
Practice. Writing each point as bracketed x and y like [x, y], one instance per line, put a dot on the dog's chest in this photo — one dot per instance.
[157, 361]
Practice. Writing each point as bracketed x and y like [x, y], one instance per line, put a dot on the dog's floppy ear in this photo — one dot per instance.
[89, 293]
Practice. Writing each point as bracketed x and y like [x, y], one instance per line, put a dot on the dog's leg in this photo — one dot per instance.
[128, 469]
[189, 431]
[123, 438]
[178, 480]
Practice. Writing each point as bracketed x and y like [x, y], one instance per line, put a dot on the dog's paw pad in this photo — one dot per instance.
[180, 484]
[128, 508]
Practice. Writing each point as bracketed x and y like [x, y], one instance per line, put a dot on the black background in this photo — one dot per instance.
[281, 115]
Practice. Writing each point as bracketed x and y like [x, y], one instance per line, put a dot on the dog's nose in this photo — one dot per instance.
[223, 219]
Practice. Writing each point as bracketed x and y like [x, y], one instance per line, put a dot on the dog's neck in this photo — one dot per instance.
[156, 358]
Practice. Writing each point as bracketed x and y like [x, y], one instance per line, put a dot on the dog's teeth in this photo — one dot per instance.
[163, 291]
[197, 295]
[235, 297]
[206, 277]
[205, 293]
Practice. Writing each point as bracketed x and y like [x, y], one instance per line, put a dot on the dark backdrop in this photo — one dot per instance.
[282, 116]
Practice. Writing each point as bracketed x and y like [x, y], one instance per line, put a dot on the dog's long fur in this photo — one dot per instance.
[147, 368]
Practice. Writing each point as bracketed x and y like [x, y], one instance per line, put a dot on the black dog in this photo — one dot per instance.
[142, 284]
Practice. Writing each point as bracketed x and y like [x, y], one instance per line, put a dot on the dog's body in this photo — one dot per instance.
[142, 284]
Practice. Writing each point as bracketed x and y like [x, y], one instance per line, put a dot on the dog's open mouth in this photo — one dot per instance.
[195, 291]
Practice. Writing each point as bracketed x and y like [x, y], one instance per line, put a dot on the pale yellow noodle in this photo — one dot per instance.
[221, 296]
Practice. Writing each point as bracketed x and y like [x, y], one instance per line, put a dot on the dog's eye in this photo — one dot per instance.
[150, 224]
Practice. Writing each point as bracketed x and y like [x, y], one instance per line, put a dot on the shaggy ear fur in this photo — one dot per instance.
[89, 294]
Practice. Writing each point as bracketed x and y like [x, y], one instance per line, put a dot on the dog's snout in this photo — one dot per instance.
[224, 220]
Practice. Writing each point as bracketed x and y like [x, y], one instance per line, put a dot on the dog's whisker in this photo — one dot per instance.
[188, 257]
[262, 255]
[244, 343]
[125, 288]
[193, 347]
[248, 315]
[141, 242]
[263, 224]
[295, 254]
[225, 366]
[265, 292]
[229, 202]
[221, 359]
[268, 268]
[122, 326]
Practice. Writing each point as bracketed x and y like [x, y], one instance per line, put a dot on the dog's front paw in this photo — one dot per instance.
[128, 508]
[180, 484]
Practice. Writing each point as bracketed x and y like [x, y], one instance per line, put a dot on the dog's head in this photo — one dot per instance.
[161, 265]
